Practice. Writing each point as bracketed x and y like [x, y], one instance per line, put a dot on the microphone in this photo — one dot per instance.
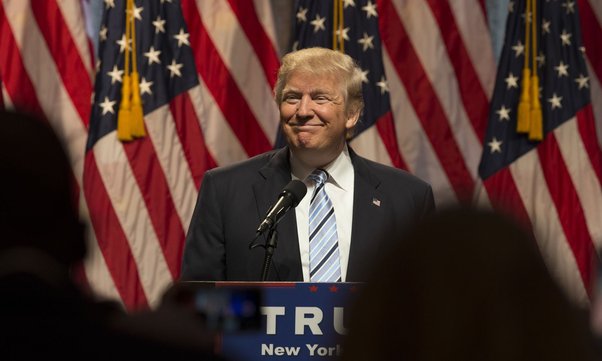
[291, 195]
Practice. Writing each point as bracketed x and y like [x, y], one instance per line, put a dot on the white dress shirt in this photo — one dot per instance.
[339, 188]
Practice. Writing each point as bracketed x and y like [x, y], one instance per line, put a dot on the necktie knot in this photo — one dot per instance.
[319, 176]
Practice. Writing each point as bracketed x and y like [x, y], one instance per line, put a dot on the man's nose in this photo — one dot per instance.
[305, 109]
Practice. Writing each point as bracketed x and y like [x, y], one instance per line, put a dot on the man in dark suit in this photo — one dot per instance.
[364, 205]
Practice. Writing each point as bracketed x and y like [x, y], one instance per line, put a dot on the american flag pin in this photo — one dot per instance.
[376, 202]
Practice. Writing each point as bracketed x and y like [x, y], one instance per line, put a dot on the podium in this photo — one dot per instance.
[299, 320]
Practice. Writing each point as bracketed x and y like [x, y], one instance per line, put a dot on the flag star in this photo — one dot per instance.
[318, 23]
[123, 43]
[495, 145]
[504, 113]
[511, 7]
[565, 37]
[102, 34]
[98, 64]
[302, 15]
[159, 25]
[545, 26]
[349, 3]
[145, 87]
[582, 81]
[137, 12]
[343, 34]
[295, 46]
[107, 106]
[153, 55]
[115, 74]
[562, 69]
[364, 75]
[527, 16]
[174, 69]
[163, 1]
[555, 101]
[109, 4]
[383, 85]
[366, 42]
[570, 6]
[182, 38]
[370, 9]
[511, 81]
[541, 59]
[519, 49]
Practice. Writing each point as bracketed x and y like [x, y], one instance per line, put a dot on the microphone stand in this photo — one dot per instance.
[269, 251]
[269, 247]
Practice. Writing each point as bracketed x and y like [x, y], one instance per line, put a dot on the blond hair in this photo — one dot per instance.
[323, 61]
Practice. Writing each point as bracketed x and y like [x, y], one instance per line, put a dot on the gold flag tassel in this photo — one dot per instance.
[338, 42]
[523, 123]
[137, 113]
[536, 118]
[124, 117]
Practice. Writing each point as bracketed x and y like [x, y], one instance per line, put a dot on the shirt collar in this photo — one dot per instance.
[340, 170]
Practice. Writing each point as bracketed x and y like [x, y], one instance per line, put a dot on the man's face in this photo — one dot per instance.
[313, 116]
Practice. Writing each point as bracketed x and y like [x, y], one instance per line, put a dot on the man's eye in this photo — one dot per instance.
[321, 99]
[291, 99]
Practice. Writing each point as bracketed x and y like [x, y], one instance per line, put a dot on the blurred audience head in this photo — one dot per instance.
[465, 285]
[37, 206]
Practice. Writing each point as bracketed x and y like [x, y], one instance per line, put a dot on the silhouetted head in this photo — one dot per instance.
[37, 205]
[465, 285]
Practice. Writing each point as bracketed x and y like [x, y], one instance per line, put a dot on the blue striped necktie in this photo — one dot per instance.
[324, 262]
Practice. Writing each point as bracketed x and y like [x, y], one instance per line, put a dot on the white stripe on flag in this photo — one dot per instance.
[75, 22]
[550, 236]
[129, 206]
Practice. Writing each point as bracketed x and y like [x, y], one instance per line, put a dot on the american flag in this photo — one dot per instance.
[553, 185]
[438, 68]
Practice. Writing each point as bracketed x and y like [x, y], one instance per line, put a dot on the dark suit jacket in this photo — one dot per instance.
[233, 200]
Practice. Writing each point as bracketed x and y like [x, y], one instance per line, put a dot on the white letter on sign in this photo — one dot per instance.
[312, 322]
[271, 314]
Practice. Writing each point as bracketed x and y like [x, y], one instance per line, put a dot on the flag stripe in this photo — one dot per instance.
[588, 136]
[62, 49]
[505, 196]
[258, 39]
[546, 223]
[386, 129]
[430, 112]
[566, 201]
[111, 238]
[248, 78]
[591, 33]
[221, 84]
[584, 179]
[474, 31]
[16, 81]
[414, 144]
[473, 97]
[158, 201]
[132, 213]
[191, 136]
[75, 22]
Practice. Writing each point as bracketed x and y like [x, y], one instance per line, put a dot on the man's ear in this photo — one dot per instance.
[352, 119]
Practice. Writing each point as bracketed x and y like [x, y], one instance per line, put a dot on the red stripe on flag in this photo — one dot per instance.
[587, 131]
[386, 128]
[591, 32]
[473, 95]
[111, 239]
[65, 55]
[258, 38]
[191, 137]
[223, 87]
[424, 100]
[158, 200]
[568, 206]
[505, 197]
[18, 85]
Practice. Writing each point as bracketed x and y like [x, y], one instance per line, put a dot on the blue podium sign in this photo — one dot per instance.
[301, 321]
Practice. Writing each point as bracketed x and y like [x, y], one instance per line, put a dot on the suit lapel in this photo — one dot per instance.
[367, 218]
[275, 175]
